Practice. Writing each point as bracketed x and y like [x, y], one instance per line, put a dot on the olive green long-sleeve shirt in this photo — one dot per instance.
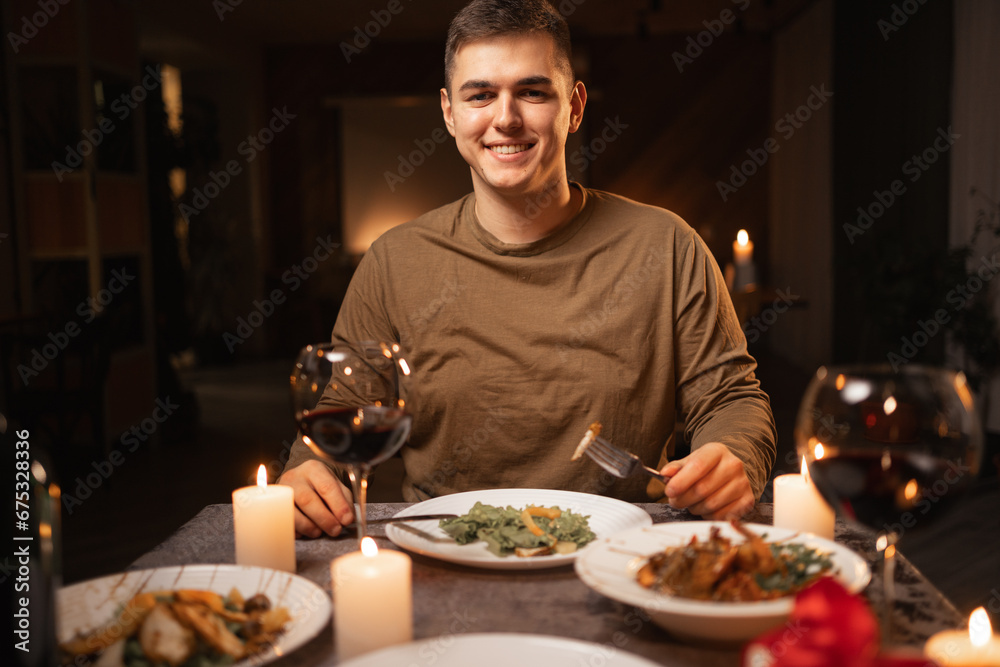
[620, 316]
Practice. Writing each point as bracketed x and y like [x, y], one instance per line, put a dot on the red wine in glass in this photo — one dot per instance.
[891, 490]
[354, 436]
[889, 449]
[349, 404]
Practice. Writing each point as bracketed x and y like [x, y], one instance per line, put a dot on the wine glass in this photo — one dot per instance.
[350, 408]
[891, 450]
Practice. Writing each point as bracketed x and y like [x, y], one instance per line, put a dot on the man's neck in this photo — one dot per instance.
[527, 218]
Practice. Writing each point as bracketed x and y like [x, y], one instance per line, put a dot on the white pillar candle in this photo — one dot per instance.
[373, 600]
[264, 523]
[742, 248]
[798, 505]
[977, 647]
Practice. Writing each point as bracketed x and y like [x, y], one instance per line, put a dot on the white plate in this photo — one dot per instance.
[500, 650]
[609, 567]
[607, 517]
[90, 604]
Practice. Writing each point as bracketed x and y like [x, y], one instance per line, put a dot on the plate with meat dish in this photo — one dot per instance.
[192, 614]
[715, 581]
[514, 529]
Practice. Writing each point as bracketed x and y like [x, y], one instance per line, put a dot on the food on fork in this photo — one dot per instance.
[593, 431]
[719, 570]
[532, 531]
[182, 627]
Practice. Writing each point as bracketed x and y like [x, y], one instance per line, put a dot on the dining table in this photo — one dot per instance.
[451, 600]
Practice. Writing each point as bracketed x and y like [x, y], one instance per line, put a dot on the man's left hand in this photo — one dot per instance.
[710, 482]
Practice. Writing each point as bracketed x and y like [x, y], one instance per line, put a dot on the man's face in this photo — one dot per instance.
[510, 110]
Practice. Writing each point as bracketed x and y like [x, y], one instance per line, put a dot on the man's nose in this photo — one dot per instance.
[508, 115]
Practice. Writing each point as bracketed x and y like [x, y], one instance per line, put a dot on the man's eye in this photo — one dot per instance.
[534, 94]
[479, 97]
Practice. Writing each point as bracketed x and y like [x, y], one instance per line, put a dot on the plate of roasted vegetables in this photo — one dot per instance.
[513, 529]
[190, 616]
[716, 581]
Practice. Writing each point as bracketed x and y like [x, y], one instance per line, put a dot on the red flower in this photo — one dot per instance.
[828, 627]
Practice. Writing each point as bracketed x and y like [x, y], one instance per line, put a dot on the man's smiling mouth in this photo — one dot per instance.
[509, 150]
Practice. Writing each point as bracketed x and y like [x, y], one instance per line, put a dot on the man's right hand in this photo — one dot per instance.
[322, 503]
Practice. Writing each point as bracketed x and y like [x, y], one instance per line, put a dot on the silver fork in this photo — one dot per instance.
[617, 461]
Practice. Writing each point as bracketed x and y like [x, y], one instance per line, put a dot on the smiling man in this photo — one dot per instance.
[589, 308]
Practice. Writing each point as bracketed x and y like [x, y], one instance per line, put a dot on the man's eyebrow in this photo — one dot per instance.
[477, 83]
[538, 80]
[535, 81]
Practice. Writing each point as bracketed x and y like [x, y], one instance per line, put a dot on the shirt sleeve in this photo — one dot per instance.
[718, 395]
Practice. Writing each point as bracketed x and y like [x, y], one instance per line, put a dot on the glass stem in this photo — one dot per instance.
[359, 483]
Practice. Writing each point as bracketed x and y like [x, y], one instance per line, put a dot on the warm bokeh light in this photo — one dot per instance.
[889, 406]
[910, 491]
[742, 237]
[261, 476]
[841, 381]
[962, 389]
[818, 451]
[368, 547]
[980, 629]
[404, 367]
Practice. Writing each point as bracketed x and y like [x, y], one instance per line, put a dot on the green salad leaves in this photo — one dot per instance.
[532, 531]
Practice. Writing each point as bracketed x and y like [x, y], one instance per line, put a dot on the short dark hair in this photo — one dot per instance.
[489, 18]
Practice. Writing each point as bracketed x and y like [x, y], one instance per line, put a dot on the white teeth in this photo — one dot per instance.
[507, 150]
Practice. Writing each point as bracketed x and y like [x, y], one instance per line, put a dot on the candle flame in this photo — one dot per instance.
[980, 629]
[262, 476]
[818, 451]
[368, 547]
[804, 470]
[889, 406]
[742, 237]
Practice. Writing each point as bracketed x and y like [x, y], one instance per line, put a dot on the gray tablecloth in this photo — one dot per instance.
[450, 600]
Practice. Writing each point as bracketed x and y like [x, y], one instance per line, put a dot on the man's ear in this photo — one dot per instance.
[449, 119]
[577, 103]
